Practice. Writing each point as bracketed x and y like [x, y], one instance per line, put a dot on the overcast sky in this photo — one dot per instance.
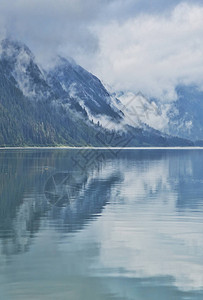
[137, 45]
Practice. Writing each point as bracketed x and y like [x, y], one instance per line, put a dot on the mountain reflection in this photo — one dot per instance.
[130, 219]
[38, 185]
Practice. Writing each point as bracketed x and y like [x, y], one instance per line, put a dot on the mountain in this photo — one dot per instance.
[66, 105]
[28, 112]
[19, 63]
[68, 79]
[24, 122]
[186, 113]
[181, 117]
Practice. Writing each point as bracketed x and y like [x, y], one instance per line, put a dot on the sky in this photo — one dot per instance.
[132, 45]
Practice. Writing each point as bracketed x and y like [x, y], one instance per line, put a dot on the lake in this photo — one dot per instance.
[101, 224]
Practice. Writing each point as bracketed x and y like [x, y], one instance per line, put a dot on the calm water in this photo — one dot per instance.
[91, 225]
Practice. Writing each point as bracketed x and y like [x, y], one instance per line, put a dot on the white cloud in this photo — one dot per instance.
[138, 111]
[132, 45]
[47, 26]
[153, 53]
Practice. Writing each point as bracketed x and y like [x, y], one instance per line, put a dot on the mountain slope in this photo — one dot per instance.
[181, 117]
[68, 79]
[62, 106]
[27, 122]
[19, 62]
[186, 114]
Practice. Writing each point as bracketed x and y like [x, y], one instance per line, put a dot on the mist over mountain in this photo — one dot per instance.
[182, 117]
[66, 105]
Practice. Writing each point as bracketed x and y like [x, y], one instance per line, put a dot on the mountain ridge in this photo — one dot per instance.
[66, 105]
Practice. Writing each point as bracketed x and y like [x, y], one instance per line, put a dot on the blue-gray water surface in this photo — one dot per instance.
[101, 224]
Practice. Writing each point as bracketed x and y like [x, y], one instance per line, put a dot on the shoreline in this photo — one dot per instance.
[101, 148]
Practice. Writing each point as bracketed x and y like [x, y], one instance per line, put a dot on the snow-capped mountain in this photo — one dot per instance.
[19, 62]
[67, 84]
[66, 105]
[70, 80]
[181, 117]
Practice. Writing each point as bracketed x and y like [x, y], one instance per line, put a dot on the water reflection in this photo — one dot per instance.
[159, 209]
[131, 223]
[40, 184]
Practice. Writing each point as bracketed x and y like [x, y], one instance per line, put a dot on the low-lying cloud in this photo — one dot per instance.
[153, 53]
[131, 45]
